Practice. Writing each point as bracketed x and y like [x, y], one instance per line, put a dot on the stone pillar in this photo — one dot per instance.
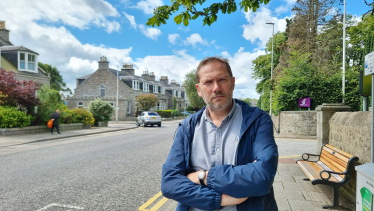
[324, 114]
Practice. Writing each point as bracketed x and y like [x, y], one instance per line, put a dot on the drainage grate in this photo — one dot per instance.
[286, 160]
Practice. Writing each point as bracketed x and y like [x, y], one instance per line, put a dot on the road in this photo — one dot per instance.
[111, 171]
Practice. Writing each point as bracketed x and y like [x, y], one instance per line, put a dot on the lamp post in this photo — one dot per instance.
[272, 57]
[117, 98]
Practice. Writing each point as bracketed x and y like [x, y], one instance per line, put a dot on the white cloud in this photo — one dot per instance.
[257, 30]
[194, 39]
[147, 6]
[35, 28]
[185, 29]
[290, 2]
[172, 38]
[174, 66]
[131, 19]
[150, 32]
[242, 68]
[281, 9]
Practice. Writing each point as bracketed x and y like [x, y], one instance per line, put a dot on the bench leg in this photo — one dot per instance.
[306, 179]
[335, 203]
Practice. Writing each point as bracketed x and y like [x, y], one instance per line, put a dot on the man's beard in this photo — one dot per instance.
[214, 107]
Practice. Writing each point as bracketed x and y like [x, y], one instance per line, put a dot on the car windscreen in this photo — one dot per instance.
[152, 114]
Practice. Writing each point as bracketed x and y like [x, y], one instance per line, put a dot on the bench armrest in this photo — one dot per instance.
[329, 172]
[307, 154]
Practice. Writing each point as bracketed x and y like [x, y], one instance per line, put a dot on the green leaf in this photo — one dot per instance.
[178, 19]
[185, 21]
[195, 16]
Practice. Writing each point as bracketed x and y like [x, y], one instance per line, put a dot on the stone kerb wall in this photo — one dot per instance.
[295, 123]
[351, 132]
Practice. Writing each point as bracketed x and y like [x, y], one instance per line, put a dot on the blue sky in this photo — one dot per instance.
[73, 34]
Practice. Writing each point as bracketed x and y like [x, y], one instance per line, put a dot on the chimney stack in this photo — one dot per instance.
[103, 63]
[128, 68]
[152, 76]
[4, 33]
[173, 82]
[164, 80]
[145, 75]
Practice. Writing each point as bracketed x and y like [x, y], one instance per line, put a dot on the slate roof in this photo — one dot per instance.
[5, 43]
[85, 77]
[16, 48]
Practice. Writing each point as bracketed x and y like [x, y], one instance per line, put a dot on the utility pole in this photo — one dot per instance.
[117, 97]
[343, 82]
[271, 76]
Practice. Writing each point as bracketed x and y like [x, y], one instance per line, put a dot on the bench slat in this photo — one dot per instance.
[338, 150]
[334, 159]
[336, 154]
[336, 176]
[312, 170]
[332, 164]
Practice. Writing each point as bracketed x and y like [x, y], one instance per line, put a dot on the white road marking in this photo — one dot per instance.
[60, 205]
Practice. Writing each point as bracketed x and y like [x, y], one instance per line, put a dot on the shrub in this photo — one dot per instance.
[80, 115]
[101, 110]
[49, 102]
[189, 108]
[164, 113]
[10, 117]
[175, 113]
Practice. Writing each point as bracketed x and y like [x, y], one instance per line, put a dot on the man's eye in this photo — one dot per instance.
[222, 79]
[208, 82]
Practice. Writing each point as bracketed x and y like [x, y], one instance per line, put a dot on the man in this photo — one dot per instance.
[224, 157]
[55, 116]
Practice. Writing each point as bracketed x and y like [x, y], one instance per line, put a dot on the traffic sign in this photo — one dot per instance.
[369, 63]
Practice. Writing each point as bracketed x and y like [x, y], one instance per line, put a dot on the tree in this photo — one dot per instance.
[174, 103]
[146, 101]
[17, 92]
[57, 82]
[247, 100]
[49, 102]
[101, 110]
[196, 101]
[162, 13]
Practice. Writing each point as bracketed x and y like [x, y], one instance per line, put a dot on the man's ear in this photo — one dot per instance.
[233, 83]
[198, 89]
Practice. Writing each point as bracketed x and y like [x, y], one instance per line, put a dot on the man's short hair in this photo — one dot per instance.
[213, 59]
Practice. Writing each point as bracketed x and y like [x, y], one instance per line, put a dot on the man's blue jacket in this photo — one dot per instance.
[246, 179]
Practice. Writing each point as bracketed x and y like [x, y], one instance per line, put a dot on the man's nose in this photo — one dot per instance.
[216, 87]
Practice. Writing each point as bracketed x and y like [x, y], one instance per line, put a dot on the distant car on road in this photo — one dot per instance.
[148, 118]
[185, 112]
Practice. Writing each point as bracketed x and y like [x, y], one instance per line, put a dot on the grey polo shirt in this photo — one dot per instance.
[213, 146]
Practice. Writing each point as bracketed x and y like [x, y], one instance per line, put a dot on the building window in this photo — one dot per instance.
[179, 94]
[31, 62]
[162, 90]
[128, 107]
[135, 85]
[111, 104]
[102, 90]
[80, 104]
[174, 93]
[146, 87]
[155, 89]
[180, 105]
[158, 106]
[27, 62]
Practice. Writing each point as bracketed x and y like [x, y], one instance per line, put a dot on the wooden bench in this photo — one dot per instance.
[334, 168]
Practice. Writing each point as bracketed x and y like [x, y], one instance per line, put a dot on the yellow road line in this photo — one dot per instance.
[289, 156]
[153, 199]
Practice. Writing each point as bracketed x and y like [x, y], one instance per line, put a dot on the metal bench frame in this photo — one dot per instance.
[325, 181]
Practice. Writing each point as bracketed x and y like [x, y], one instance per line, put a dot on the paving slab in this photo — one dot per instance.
[288, 194]
[286, 178]
[283, 205]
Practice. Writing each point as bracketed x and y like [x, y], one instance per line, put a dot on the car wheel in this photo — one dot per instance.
[143, 124]
[159, 125]
[137, 123]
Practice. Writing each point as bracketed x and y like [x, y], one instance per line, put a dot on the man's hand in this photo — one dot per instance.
[193, 177]
[227, 200]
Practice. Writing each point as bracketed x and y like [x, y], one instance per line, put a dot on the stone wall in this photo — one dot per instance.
[40, 129]
[295, 123]
[351, 132]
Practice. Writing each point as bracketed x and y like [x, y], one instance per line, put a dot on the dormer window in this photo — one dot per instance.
[146, 87]
[179, 94]
[162, 90]
[155, 89]
[135, 85]
[27, 62]
[174, 93]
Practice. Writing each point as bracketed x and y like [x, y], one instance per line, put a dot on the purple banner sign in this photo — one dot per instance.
[304, 102]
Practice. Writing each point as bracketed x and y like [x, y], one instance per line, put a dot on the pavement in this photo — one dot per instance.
[291, 191]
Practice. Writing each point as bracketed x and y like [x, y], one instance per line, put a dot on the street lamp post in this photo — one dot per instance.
[271, 76]
[117, 98]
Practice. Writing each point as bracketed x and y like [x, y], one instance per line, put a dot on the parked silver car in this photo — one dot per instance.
[148, 118]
